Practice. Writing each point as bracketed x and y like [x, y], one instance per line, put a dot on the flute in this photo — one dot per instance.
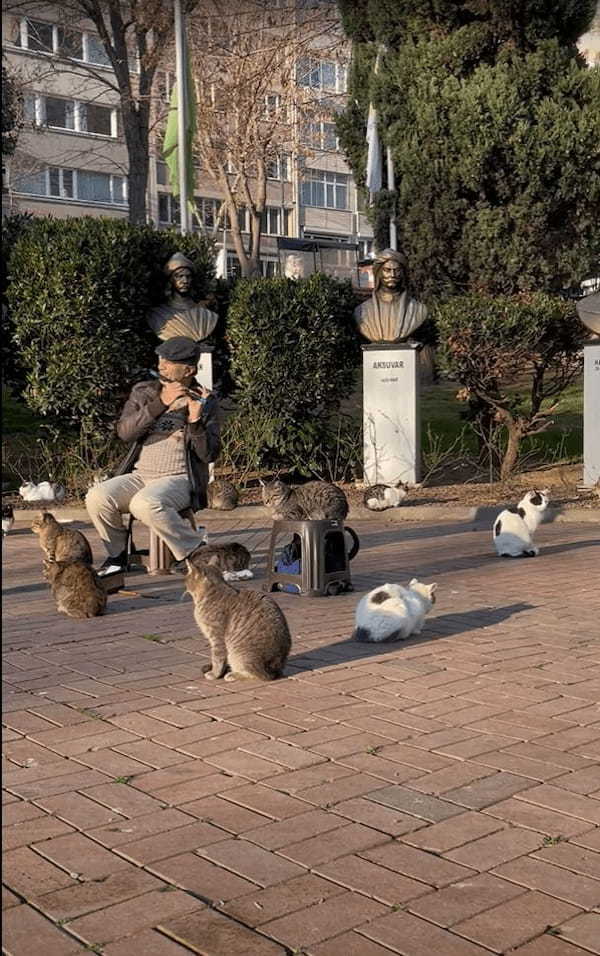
[170, 381]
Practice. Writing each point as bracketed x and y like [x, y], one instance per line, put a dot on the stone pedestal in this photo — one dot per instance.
[392, 450]
[591, 415]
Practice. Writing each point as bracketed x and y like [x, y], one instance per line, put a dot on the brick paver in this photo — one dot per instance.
[440, 795]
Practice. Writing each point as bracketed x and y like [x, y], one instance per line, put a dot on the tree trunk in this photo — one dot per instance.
[512, 450]
[135, 124]
[137, 186]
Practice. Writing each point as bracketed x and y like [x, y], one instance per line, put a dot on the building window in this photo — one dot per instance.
[275, 221]
[162, 173]
[69, 43]
[82, 185]
[41, 37]
[320, 135]
[234, 269]
[325, 75]
[168, 209]
[208, 210]
[95, 51]
[71, 115]
[279, 168]
[322, 188]
[60, 113]
[61, 182]
[272, 105]
[365, 248]
[269, 268]
[96, 119]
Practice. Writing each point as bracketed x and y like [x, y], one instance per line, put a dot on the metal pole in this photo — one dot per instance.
[391, 186]
[182, 111]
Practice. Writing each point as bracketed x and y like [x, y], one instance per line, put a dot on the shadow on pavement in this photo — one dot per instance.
[446, 625]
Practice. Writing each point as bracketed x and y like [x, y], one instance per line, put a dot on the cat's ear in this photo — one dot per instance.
[433, 587]
[412, 583]
[213, 560]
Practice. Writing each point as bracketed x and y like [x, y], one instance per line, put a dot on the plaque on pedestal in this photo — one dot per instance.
[591, 415]
[391, 414]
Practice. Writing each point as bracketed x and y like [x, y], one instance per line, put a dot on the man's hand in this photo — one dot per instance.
[194, 407]
[171, 391]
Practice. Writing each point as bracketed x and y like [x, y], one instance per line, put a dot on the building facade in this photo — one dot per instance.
[71, 158]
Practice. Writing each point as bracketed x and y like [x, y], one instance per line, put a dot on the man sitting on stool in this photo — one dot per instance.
[175, 437]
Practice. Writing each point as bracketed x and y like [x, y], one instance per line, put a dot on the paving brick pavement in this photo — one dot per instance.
[439, 796]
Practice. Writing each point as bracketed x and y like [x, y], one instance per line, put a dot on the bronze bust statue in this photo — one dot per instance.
[180, 315]
[390, 314]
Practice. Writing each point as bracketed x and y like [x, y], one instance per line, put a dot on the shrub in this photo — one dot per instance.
[294, 350]
[79, 291]
[513, 356]
[13, 373]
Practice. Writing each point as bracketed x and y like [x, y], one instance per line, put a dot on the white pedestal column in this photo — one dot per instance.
[392, 447]
[204, 376]
[591, 415]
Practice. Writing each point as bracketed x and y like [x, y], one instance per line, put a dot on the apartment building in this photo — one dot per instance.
[71, 158]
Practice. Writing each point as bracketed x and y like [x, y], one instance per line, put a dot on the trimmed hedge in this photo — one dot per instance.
[79, 291]
[294, 352]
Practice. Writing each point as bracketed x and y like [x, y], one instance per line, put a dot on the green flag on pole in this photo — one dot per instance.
[171, 141]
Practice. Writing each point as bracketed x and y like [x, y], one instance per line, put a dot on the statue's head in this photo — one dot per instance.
[179, 270]
[390, 271]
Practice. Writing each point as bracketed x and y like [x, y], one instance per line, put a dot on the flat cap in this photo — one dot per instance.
[179, 349]
[178, 261]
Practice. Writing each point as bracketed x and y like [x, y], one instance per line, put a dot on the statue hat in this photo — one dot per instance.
[178, 261]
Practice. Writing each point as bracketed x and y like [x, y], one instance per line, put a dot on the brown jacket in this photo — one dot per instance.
[201, 438]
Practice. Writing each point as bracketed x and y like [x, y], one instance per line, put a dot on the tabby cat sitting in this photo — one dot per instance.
[60, 543]
[247, 631]
[222, 495]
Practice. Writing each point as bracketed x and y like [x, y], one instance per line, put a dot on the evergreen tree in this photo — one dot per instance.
[493, 121]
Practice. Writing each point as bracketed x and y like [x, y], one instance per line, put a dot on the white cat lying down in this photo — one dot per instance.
[514, 527]
[392, 613]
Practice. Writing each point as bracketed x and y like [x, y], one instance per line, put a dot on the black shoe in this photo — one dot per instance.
[116, 565]
[181, 566]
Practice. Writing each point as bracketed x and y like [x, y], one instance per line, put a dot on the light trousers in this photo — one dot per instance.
[155, 503]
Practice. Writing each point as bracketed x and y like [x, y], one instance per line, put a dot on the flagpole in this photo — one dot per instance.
[182, 112]
[391, 186]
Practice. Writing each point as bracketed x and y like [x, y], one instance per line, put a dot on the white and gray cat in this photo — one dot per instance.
[247, 631]
[222, 495]
[392, 612]
[316, 500]
[382, 497]
[514, 527]
[231, 558]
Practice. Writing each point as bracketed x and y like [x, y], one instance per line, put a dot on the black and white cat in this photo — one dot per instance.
[393, 613]
[8, 519]
[514, 527]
